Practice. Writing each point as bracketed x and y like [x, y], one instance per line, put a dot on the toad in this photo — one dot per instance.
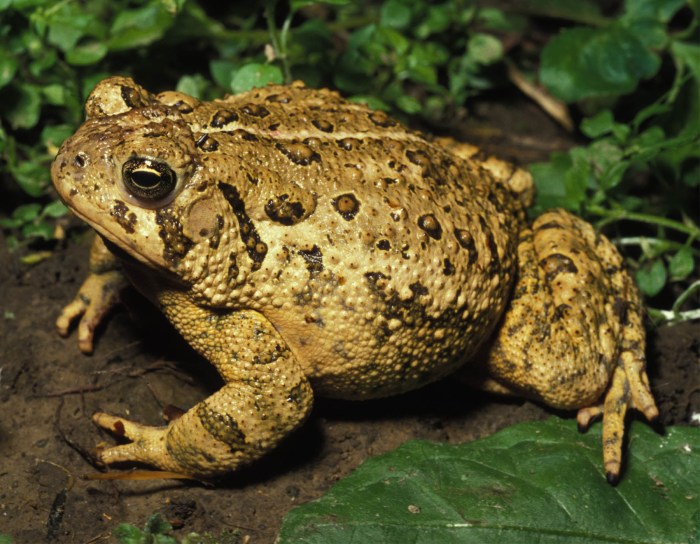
[306, 245]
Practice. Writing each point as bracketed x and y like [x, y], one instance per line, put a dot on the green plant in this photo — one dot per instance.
[632, 77]
[157, 529]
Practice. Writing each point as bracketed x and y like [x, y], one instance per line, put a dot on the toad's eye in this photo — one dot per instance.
[148, 179]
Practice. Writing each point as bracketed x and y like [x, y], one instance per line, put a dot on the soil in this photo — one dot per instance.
[48, 391]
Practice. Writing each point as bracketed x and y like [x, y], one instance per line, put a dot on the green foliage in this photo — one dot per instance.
[643, 168]
[5, 539]
[634, 76]
[532, 482]
[157, 529]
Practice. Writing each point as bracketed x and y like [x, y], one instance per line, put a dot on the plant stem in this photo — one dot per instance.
[610, 216]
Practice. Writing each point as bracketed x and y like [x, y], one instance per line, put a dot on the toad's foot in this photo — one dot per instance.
[96, 297]
[572, 336]
[98, 294]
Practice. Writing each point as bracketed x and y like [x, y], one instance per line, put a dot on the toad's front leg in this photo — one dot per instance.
[266, 396]
[573, 335]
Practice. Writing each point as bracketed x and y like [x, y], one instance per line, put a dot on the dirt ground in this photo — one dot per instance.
[48, 390]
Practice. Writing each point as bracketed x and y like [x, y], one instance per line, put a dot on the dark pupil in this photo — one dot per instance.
[146, 179]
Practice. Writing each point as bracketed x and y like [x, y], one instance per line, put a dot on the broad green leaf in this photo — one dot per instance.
[5, 539]
[534, 482]
[651, 277]
[549, 180]
[222, 71]
[681, 264]
[255, 75]
[586, 62]
[438, 19]
[193, 85]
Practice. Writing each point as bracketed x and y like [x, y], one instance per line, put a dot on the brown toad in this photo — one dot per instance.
[307, 245]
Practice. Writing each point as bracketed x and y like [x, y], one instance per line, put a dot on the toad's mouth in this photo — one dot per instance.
[122, 246]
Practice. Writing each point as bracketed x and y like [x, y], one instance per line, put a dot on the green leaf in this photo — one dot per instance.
[659, 10]
[156, 524]
[586, 62]
[689, 55]
[600, 124]
[534, 482]
[8, 67]
[5, 539]
[37, 230]
[32, 177]
[27, 212]
[396, 13]
[222, 71]
[23, 106]
[651, 277]
[681, 264]
[484, 48]
[55, 209]
[128, 534]
[255, 75]
[139, 27]
[192, 85]
[88, 53]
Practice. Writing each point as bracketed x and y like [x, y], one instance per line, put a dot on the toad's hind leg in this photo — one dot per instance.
[572, 336]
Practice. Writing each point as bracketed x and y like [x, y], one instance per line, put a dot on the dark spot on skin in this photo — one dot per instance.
[207, 143]
[348, 143]
[466, 241]
[256, 110]
[418, 289]
[73, 191]
[346, 205]
[621, 308]
[448, 267]
[381, 119]
[298, 153]
[215, 236]
[221, 426]
[118, 429]
[298, 394]
[560, 311]
[253, 180]
[280, 99]
[549, 225]
[556, 264]
[183, 107]
[233, 265]
[281, 210]
[242, 134]
[494, 261]
[430, 225]
[130, 96]
[313, 258]
[273, 127]
[256, 248]
[175, 244]
[80, 160]
[420, 158]
[384, 245]
[125, 218]
[322, 125]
